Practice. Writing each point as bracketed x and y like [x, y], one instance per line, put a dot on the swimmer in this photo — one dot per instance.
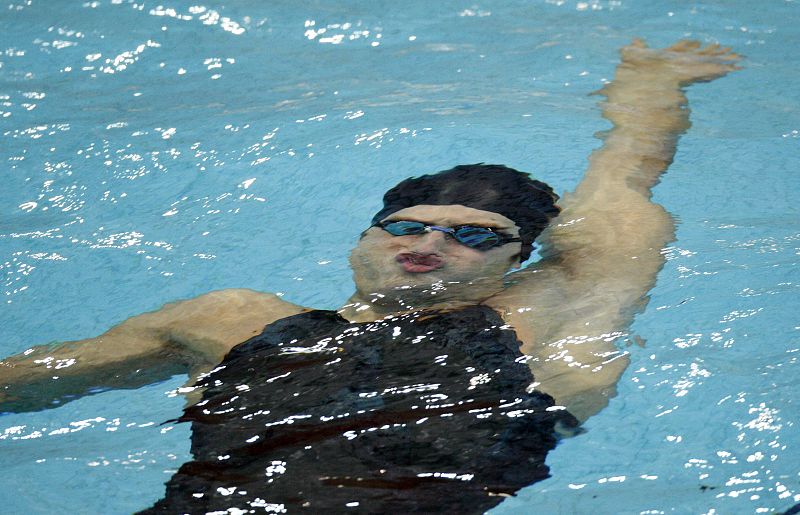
[433, 263]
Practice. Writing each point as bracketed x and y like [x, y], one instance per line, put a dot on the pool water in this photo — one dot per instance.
[155, 151]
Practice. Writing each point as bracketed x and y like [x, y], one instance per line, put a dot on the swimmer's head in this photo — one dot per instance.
[531, 204]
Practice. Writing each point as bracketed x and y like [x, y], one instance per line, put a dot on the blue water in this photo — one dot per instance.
[152, 152]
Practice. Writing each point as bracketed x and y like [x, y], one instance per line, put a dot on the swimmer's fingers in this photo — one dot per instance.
[721, 55]
[716, 51]
[686, 61]
[637, 43]
[730, 56]
[637, 53]
[689, 48]
[684, 45]
[711, 49]
[683, 48]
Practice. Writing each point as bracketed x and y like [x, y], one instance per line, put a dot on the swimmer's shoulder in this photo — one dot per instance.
[536, 302]
[241, 304]
[213, 323]
[243, 298]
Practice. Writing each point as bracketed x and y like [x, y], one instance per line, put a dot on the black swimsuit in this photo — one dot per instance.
[427, 412]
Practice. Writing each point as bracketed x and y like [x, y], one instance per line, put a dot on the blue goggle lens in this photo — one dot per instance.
[479, 238]
[476, 237]
[403, 228]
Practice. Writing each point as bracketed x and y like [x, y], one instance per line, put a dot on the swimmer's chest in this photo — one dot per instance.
[476, 337]
[319, 365]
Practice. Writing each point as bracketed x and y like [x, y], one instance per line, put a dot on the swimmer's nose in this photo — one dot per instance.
[432, 242]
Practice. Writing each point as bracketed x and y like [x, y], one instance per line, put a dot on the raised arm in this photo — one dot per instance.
[609, 220]
[603, 254]
[184, 337]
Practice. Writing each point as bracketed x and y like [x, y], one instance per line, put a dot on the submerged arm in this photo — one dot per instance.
[603, 254]
[189, 336]
[130, 355]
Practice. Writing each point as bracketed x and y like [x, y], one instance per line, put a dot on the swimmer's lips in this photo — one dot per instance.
[419, 263]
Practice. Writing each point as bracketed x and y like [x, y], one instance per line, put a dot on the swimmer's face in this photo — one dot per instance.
[434, 264]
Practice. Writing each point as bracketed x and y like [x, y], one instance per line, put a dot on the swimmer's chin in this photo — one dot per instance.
[425, 282]
[416, 283]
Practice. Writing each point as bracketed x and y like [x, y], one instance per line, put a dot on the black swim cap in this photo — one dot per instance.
[531, 204]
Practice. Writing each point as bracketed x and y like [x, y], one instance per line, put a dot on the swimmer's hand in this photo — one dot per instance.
[686, 61]
[647, 91]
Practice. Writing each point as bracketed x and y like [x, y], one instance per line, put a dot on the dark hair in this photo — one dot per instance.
[531, 204]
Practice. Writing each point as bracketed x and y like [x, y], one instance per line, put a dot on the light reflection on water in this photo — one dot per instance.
[153, 152]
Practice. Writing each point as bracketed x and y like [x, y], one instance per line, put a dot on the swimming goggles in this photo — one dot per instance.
[480, 238]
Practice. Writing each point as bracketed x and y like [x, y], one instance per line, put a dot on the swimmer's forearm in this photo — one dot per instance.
[50, 375]
[649, 116]
[194, 335]
[132, 354]
[647, 106]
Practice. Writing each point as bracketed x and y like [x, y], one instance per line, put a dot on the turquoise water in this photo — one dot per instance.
[151, 152]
